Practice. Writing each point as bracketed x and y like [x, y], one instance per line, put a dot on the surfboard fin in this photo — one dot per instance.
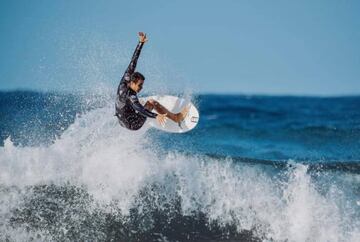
[194, 119]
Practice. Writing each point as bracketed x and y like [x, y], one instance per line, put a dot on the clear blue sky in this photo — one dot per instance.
[266, 47]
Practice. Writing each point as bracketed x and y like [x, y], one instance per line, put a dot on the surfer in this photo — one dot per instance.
[129, 111]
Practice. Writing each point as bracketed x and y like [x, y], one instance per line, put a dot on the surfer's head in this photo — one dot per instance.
[136, 81]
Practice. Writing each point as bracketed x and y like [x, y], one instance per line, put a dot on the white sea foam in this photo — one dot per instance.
[113, 165]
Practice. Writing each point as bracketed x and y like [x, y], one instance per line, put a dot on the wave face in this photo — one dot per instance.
[68, 172]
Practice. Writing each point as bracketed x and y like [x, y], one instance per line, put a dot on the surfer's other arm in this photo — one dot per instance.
[140, 108]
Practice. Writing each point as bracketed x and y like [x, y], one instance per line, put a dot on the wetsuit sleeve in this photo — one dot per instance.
[140, 108]
[131, 68]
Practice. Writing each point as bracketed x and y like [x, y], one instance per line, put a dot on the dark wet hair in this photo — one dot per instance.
[136, 76]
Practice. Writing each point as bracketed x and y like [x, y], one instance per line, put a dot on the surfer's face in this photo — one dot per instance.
[137, 85]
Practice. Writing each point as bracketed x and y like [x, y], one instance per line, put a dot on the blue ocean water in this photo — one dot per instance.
[261, 127]
[255, 168]
[277, 128]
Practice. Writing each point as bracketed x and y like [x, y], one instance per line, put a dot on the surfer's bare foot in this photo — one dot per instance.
[181, 116]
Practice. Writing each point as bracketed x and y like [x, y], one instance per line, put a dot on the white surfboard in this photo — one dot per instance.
[174, 105]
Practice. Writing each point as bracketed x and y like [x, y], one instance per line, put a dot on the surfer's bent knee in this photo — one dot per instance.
[149, 105]
[155, 103]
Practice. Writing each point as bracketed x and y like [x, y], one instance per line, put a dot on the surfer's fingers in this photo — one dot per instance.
[162, 119]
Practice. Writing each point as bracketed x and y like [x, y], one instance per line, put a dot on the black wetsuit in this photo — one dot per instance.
[130, 112]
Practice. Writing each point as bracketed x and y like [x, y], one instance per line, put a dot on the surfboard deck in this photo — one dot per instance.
[174, 104]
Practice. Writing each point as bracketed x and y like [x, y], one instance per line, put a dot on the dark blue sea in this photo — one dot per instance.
[256, 168]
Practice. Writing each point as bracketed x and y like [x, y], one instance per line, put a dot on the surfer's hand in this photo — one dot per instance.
[161, 118]
[142, 37]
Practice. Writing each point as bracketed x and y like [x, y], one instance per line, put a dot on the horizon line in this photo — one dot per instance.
[196, 93]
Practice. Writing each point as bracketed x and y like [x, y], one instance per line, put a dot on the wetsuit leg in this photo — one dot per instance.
[133, 121]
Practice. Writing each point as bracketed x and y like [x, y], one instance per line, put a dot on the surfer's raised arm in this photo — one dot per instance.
[131, 68]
